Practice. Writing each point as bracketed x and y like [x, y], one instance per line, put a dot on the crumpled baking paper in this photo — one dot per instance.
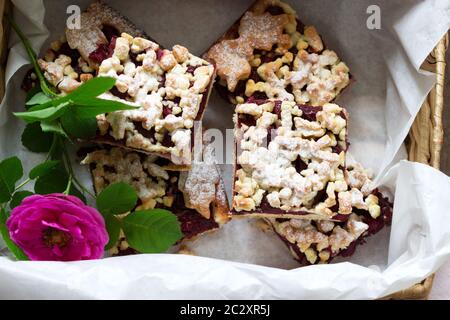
[240, 261]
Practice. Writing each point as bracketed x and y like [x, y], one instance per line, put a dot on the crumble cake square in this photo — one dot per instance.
[170, 87]
[290, 161]
[270, 53]
[197, 197]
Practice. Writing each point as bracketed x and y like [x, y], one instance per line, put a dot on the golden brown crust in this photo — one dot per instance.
[221, 206]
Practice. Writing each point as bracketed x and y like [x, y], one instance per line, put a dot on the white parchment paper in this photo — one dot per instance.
[241, 261]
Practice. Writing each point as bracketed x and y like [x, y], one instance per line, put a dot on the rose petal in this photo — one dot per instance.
[84, 224]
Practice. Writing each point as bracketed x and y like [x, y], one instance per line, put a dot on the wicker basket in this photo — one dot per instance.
[424, 142]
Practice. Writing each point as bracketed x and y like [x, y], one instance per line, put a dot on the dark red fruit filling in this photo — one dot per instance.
[105, 51]
[162, 81]
[191, 69]
[166, 111]
[133, 58]
[110, 32]
[277, 108]
[28, 83]
[122, 95]
[72, 53]
[275, 10]
[192, 223]
[309, 112]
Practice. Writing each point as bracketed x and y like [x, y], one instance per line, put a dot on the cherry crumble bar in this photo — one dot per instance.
[170, 87]
[311, 241]
[269, 53]
[319, 241]
[197, 197]
[290, 160]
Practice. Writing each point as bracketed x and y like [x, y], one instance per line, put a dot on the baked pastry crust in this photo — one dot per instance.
[269, 53]
[199, 207]
[290, 160]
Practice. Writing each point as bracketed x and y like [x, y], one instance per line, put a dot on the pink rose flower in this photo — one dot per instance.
[57, 227]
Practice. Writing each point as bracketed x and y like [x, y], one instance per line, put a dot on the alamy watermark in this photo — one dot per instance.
[374, 20]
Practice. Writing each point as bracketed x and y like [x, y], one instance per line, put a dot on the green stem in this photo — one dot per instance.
[69, 185]
[32, 55]
[23, 184]
[52, 147]
[70, 169]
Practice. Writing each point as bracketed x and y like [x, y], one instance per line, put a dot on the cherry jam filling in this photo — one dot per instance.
[191, 69]
[28, 83]
[133, 58]
[74, 55]
[150, 134]
[275, 10]
[159, 54]
[122, 95]
[309, 112]
[162, 81]
[192, 223]
[166, 111]
[103, 50]
[110, 32]
[252, 99]
[277, 108]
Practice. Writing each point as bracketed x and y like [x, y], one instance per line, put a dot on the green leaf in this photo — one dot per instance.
[77, 126]
[53, 127]
[52, 103]
[113, 228]
[95, 106]
[11, 171]
[38, 98]
[35, 140]
[18, 253]
[47, 114]
[92, 88]
[30, 94]
[42, 169]
[77, 193]
[117, 198]
[33, 57]
[151, 231]
[18, 198]
[55, 181]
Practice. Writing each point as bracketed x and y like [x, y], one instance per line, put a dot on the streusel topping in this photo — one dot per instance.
[168, 86]
[286, 157]
[319, 240]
